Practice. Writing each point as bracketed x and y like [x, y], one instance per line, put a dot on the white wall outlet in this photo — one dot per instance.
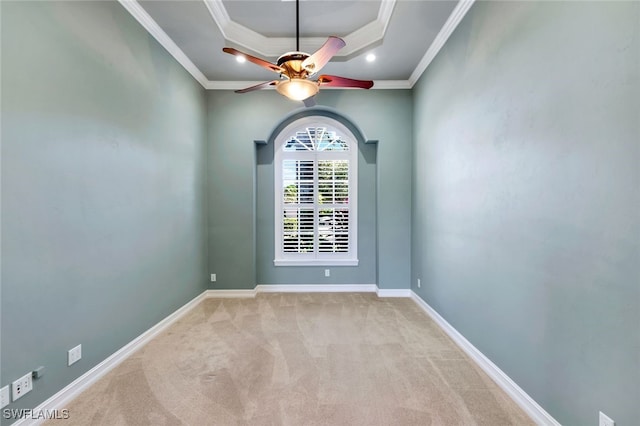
[213, 278]
[605, 420]
[327, 272]
[4, 396]
[74, 355]
[418, 282]
[21, 386]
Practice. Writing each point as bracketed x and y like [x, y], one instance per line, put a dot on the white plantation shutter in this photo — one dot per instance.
[333, 211]
[316, 194]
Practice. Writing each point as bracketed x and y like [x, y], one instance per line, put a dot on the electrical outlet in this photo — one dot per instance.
[605, 420]
[327, 272]
[21, 386]
[74, 355]
[4, 396]
[418, 282]
[213, 278]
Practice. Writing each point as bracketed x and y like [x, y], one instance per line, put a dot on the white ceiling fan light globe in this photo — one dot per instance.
[297, 89]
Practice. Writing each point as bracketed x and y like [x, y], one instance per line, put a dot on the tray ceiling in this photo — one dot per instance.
[404, 35]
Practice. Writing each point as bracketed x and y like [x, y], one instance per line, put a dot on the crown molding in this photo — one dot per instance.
[152, 27]
[391, 84]
[385, 12]
[273, 47]
[454, 19]
[371, 33]
[220, 14]
[252, 40]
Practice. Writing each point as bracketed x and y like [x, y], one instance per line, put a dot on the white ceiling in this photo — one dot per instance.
[404, 35]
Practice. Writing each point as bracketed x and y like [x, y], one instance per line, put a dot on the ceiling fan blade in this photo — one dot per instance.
[310, 101]
[335, 81]
[258, 86]
[257, 61]
[319, 59]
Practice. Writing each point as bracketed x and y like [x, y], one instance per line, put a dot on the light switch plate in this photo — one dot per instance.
[4, 396]
[74, 355]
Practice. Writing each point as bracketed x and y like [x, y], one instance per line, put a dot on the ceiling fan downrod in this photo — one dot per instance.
[295, 68]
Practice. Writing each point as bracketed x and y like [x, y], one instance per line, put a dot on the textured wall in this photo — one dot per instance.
[241, 253]
[103, 212]
[526, 198]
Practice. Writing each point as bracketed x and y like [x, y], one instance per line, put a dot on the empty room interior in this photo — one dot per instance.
[431, 217]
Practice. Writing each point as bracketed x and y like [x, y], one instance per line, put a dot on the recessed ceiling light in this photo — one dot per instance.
[241, 59]
[371, 57]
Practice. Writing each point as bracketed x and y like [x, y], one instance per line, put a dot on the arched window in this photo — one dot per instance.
[316, 200]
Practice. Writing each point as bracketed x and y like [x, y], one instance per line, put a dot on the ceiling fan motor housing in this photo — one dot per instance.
[291, 62]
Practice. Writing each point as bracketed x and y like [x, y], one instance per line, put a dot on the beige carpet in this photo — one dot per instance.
[298, 359]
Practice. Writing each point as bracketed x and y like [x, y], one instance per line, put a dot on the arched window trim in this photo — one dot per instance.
[316, 258]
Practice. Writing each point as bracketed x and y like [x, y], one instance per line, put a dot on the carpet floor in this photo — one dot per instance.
[298, 359]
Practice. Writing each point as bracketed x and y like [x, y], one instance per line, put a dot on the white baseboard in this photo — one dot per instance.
[75, 388]
[535, 411]
[393, 292]
[226, 294]
[310, 288]
[316, 288]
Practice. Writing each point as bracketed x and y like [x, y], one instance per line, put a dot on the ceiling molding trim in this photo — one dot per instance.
[454, 19]
[273, 47]
[362, 38]
[236, 85]
[391, 84]
[152, 27]
[247, 38]
[371, 33]
[219, 14]
[385, 12]
[134, 8]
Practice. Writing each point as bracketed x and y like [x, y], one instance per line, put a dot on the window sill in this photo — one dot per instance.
[315, 262]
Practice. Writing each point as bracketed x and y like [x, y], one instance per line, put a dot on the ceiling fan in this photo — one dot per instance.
[295, 68]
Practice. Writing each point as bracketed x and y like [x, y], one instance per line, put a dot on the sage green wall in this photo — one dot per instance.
[103, 211]
[526, 216]
[241, 253]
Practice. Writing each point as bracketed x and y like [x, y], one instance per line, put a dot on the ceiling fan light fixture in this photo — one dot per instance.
[295, 68]
[297, 89]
